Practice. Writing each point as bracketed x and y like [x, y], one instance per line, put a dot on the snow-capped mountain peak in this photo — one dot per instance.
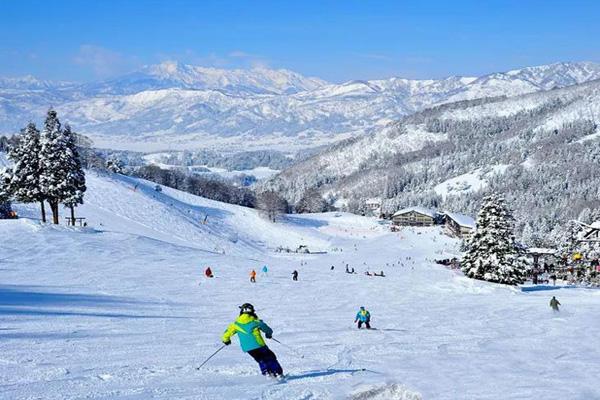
[172, 74]
[555, 75]
[29, 82]
[173, 104]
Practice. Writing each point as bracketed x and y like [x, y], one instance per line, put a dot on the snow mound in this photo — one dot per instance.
[392, 391]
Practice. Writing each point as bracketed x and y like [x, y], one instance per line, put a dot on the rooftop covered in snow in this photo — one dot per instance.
[461, 219]
[541, 251]
[420, 210]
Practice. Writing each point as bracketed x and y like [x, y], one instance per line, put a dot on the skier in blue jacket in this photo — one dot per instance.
[248, 328]
[363, 316]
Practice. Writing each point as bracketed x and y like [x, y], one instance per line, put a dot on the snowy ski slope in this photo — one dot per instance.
[120, 310]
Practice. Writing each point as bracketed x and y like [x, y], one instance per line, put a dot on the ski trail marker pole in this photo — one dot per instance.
[212, 355]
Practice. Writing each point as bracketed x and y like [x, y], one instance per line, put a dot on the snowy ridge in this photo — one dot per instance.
[178, 106]
[179, 217]
[360, 166]
[171, 74]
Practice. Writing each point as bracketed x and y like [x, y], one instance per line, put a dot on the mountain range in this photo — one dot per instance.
[178, 106]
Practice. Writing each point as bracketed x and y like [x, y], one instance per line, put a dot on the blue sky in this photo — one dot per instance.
[334, 40]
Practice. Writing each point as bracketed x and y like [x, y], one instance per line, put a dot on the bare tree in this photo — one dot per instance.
[272, 204]
[311, 202]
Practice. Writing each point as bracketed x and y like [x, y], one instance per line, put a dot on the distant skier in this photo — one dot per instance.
[379, 274]
[208, 273]
[554, 303]
[363, 317]
[295, 275]
[248, 328]
[253, 276]
[265, 270]
[332, 268]
[347, 270]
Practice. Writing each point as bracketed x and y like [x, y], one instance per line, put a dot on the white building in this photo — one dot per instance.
[459, 225]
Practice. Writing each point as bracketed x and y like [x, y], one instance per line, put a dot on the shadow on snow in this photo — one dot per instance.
[326, 372]
[32, 301]
[305, 222]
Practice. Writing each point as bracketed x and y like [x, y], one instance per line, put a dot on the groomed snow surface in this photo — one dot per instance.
[120, 309]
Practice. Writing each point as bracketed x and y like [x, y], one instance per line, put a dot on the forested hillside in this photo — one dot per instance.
[540, 150]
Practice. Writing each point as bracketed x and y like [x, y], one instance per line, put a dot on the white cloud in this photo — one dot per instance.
[233, 59]
[103, 62]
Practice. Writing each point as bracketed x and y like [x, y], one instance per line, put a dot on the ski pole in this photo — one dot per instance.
[289, 348]
[212, 355]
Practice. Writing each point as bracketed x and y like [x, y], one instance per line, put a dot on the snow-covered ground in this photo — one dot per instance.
[120, 310]
[469, 182]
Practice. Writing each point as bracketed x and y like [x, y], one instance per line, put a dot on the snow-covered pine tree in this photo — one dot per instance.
[25, 175]
[492, 253]
[527, 237]
[75, 185]
[567, 242]
[114, 165]
[55, 163]
[5, 208]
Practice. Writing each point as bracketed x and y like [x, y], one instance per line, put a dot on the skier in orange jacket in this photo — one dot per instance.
[253, 276]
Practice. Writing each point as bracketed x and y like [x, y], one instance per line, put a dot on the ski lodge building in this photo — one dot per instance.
[373, 206]
[415, 216]
[459, 225]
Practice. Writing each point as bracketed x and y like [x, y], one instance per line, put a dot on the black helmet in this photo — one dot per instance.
[246, 308]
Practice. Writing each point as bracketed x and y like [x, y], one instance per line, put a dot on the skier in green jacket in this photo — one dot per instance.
[554, 303]
[248, 328]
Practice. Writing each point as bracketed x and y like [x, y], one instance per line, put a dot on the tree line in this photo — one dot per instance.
[47, 168]
[270, 203]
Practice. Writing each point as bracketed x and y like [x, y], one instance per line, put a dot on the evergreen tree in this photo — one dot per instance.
[5, 194]
[492, 253]
[75, 179]
[55, 163]
[25, 175]
[567, 242]
[527, 237]
[114, 165]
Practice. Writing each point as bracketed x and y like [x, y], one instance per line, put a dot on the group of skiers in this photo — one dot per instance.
[209, 274]
[249, 329]
[367, 272]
